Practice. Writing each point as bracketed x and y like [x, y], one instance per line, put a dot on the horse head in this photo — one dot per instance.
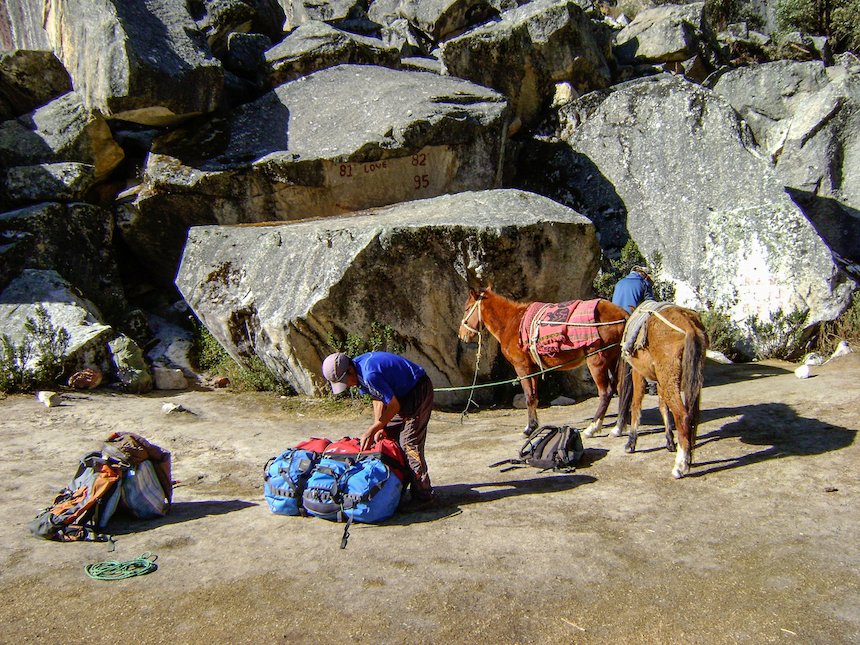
[472, 324]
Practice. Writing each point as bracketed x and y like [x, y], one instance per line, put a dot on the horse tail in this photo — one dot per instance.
[693, 371]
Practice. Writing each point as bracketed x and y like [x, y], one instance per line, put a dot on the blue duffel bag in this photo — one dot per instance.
[285, 476]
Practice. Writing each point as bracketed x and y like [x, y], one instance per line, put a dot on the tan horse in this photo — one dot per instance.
[501, 316]
[674, 356]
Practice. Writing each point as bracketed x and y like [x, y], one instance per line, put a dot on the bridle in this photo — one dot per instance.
[465, 321]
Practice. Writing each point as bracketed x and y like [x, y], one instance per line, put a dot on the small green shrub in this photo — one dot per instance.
[836, 19]
[211, 358]
[605, 281]
[721, 13]
[724, 334]
[846, 327]
[781, 337]
[382, 338]
[41, 338]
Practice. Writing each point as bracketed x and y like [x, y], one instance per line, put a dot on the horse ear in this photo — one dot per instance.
[489, 287]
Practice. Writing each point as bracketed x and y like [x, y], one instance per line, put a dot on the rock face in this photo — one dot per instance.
[342, 139]
[62, 130]
[159, 70]
[697, 191]
[527, 51]
[807, 118]
[21, 25]
[678, 36]
[315, 45]
[72, 239]
[29, 79]
[281, 291]
[88, 336]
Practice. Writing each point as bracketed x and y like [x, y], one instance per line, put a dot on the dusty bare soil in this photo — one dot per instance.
[760, 544]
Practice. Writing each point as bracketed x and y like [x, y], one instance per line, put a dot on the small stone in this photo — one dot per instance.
[802, 371]
[50, 399]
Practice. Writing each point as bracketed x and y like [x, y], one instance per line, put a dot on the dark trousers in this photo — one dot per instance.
[409, 429]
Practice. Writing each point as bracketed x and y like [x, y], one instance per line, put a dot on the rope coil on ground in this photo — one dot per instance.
[120, 570]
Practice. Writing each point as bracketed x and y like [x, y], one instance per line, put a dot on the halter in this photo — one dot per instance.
[465, 323]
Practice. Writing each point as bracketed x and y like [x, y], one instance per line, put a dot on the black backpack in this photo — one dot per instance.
[549, 448]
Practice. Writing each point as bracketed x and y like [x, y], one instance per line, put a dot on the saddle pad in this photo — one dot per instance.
[635, 334]
[546, 327]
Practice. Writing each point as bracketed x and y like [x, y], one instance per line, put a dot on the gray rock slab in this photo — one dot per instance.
[62, 130]
[343, 139]
[526, 52]
[79, 317]
[159, 70]
[666, 33]
[697, 190]
[440, 19]
[316, 45]
[30, 79]
[282, 290]
[65, 181]
[73, 239]
[21, 25]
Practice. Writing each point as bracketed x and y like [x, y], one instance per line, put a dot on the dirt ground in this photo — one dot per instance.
[759, 544]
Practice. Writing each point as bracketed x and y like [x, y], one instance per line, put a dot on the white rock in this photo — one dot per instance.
[802, 371]
[173, 408]
[718, 357]
[520, 401]
[841, 350]
[813, 359]
[167, 378]
[50, 399]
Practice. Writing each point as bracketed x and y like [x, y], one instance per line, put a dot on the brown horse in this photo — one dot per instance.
[674, 356]
[501, 317]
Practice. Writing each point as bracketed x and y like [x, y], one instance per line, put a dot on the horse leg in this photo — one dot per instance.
[604, 389]
[530, 390]
[635, 412]
[625, 394]
[669, 424]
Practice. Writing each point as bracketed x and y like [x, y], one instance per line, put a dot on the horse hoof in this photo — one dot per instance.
[671, 447]
[616, 432]
[528, 432]
[588, 433]
[629, 449]
[677, 474]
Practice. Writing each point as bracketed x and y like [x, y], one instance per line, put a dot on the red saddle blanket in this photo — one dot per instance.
[550, 328]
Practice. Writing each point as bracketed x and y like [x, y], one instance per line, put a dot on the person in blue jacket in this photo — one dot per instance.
[634, 288]
[402, 396]
[631, 291]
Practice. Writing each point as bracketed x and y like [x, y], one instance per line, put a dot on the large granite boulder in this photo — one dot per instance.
[316, 45]
[21, 25]
[806, 117]
[342, 139]
[62, 130]
[140, 62]
[30, 79]
[676, 35]
[298, 12]
[75, 240]
[442, 19]
[280, 291]
[526, 52]
[88, 335]
[62, 181]
[696, 189]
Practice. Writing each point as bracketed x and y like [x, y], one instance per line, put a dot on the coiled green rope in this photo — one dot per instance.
[114, 570]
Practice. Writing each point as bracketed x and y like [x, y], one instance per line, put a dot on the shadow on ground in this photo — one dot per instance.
[122, 524]
[453, 496]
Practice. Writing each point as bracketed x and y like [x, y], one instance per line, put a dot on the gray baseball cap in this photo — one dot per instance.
[334, 369]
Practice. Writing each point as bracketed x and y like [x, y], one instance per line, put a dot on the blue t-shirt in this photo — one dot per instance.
[383, 376]
[631, 290]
